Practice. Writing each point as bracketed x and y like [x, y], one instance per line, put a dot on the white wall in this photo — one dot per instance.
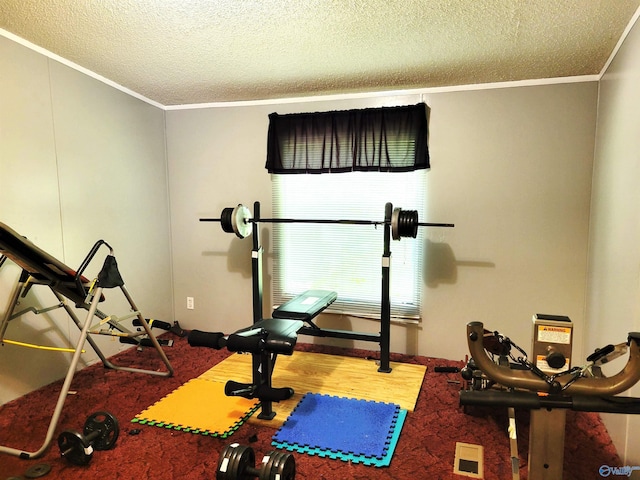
[511, 168]
[614, 261]
[79, 161]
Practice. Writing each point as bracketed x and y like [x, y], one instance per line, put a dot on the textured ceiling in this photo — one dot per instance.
[177, 52]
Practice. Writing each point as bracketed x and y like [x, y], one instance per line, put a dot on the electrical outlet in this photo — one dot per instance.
[190, 304]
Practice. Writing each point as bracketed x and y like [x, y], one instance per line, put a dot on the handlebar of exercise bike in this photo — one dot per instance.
[528, 380]
[533, 401]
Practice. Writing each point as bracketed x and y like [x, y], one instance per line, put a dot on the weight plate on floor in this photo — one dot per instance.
[278, 465]
[107, 425]
[245, 458]
[222, 472]
[287, 468]
[74, 447]
[234, 461]
[38, 470]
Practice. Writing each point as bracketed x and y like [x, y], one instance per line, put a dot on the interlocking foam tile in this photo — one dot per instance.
[384, 461]
[199, 406]
[342, 428]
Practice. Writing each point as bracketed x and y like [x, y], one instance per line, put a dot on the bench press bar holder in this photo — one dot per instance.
[382, 338]
[267, 338]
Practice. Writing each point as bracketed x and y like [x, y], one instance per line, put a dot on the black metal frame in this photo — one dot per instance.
[382, 338]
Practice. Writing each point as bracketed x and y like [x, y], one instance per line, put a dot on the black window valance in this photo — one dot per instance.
[386, 139]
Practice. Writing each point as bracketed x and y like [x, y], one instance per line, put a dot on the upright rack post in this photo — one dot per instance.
[256, 266]
[385, 303]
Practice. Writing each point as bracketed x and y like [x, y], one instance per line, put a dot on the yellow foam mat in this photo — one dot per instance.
[199, 406]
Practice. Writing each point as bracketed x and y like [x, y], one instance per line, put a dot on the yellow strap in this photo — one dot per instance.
[40, 347]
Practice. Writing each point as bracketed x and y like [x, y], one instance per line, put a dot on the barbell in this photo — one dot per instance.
[238, 220]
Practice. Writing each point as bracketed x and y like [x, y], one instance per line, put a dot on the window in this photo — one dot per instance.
[347, 258]
[347, 165]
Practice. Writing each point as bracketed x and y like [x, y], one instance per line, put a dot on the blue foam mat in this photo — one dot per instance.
[346, 429]
[385, 461]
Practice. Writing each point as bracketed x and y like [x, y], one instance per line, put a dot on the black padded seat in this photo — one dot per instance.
[270, 335]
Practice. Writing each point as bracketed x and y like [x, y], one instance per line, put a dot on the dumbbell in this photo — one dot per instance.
[100, 432]
[237, 463]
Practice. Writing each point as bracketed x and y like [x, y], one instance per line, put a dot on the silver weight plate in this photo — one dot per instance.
[240, 221]
[395, 224]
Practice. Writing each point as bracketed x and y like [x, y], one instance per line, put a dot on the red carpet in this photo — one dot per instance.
[426, 447]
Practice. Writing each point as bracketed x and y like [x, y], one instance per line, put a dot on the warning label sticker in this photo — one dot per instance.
[549, 334]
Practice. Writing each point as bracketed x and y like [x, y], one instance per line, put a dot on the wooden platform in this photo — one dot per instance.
[330, 375]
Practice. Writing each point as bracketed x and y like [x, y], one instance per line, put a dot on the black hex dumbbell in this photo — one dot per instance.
[100, 432]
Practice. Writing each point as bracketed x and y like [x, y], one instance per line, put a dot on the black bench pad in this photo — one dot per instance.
[305, 306]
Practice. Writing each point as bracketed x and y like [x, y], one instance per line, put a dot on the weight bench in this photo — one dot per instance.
[265, 340]
[40, 268]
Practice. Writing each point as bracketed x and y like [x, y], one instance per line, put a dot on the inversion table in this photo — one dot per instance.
[40, 268]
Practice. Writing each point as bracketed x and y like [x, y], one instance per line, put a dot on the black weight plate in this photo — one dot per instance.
[234, 461]
[222, 472]
[288, 467]
[225, 219]
[245, 458]
[74, 448]
[279, 466]
[267, 465]
[108, 427]
[414, 223]
[38, 470]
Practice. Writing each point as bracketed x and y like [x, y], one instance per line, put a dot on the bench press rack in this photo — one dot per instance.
[397, 223]
[311, 329]
[265, 339]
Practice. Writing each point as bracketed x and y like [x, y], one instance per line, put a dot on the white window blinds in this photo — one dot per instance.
[347, 258]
